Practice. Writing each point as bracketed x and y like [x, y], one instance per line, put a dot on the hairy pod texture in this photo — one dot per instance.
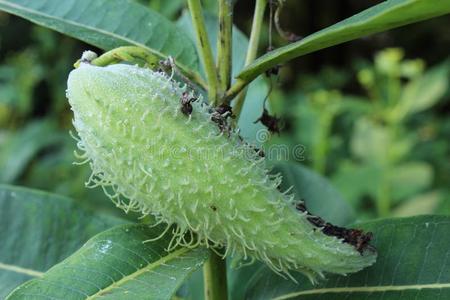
[150, 157]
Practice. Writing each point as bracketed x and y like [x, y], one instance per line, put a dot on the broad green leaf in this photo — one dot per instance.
[193, 287]
[253, 105]
[38, 230]
[413, 263]
[240, 279]
[68, 179]
[320, 196]
[109, 24]
[118, 264]
[386, 15]
[169, 9]
[22, 146]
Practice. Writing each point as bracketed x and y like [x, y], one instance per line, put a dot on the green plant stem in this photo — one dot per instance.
[215, 278]
[323, 145]
[383, 200]
[224, 44]
[252, 51]
[134, 54]
[234, 90]
[384, 195]
[204, 48]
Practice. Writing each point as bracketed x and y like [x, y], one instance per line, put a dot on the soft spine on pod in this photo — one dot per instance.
[150, 157]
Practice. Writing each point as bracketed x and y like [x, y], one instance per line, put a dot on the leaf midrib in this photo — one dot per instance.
[20, 270]
[107, 33]
[369, 289]
[150, 266]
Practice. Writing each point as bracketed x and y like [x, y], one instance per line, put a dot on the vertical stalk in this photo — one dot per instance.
[322, 147]
[224, 44]
[215, 278]
[384, 195]
[252, 50]
[204, 48]
[383, 200]
[258, 16]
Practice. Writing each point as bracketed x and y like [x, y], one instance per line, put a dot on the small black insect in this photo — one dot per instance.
[224, 110]
[167, 65]
[272, 123]
[220, 115]
[260, 152]
[186, 100]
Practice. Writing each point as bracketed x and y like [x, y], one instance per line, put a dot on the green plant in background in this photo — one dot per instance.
[313, 124]
[379, 150]
[382, 143]
[17, 85]
[129, 261]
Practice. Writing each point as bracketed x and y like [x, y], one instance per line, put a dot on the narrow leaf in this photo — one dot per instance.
[118, 264]
[38, 230]
[109, 24]
[386, 15]
[413, 263]
[424, 92]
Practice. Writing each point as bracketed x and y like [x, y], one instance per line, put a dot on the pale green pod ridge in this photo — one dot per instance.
[150, 157]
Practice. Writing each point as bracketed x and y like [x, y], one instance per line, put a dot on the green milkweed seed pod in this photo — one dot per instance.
[152, 157]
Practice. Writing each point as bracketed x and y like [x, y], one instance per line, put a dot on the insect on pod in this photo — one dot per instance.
[149, 157]
[186, 100]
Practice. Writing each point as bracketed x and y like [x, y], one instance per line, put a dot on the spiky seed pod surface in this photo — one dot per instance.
[183, 170]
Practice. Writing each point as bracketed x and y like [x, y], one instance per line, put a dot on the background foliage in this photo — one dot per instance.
[372, 116]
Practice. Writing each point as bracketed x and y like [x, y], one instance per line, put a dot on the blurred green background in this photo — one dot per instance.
[373, 114]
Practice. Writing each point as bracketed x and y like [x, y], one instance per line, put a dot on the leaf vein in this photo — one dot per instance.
[369, 289]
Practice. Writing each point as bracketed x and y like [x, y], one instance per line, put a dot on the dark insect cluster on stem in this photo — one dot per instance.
[220, 115]
[355, 237]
